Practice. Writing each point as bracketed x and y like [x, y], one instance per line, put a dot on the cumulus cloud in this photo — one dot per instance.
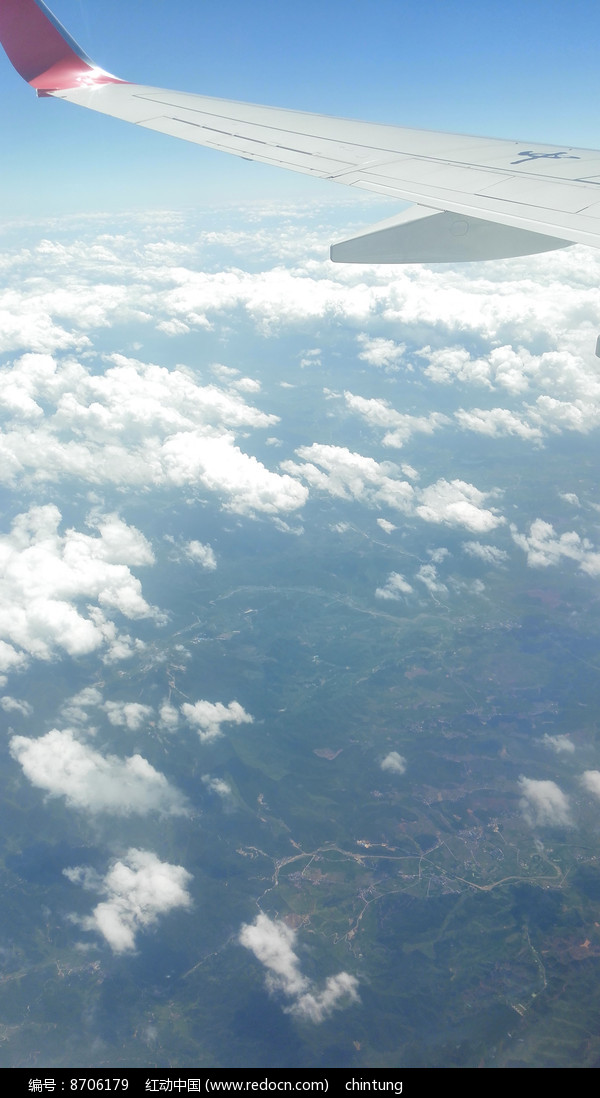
[457, 503]
[347, 475]
[560, 744]
[75, 709]
[398, 426]
[395, 587]
[130, 715]
[380, 352]
[217, 785]
[439, 554]
[487, 553]
[201, 554]
[427, 575]
[91, 782]
[513, 369]
[544, 547]
[169, 716]
[272, 943]
[246, 385]
[386, 526]
[498, 423]
[590, 779]
[14, 705]
[139, 888]
[543, 804]
[207, 717]
[339, 991]
[502, 367]
[44, 575]
[394, 762]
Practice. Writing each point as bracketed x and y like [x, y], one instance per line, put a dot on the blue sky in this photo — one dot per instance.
[505, 68]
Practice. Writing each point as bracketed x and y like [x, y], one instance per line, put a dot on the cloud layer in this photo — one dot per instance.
[134, 425]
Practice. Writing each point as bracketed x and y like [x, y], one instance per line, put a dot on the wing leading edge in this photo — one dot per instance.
[476, 197]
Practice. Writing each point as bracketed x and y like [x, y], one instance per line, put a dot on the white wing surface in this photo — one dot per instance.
[476, 197]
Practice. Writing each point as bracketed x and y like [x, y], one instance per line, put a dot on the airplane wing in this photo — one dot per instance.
[476, 197]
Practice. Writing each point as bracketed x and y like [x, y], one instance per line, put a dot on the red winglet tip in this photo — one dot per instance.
[43, 52]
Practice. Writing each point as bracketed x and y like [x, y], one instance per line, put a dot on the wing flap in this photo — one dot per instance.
[421, 235]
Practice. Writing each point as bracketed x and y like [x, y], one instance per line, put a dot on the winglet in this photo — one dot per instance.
[43, 52]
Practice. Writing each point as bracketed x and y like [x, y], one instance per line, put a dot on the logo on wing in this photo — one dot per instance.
[527, 155]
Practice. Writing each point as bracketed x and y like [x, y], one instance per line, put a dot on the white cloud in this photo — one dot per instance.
[207, 717]
[14, 705]
[169, 716]
[134, 425]
[545, 301]
[201, 554]
[339, 991]
[399, 426]
[272, 943]
[159, 283]
[560, 744]
[439, 554]
[545, 548]
[591, 780]
[44, 576]
[503, 367]
[217, 785]
[92, 782]
[395, 587]
[457, 503]
[380, 352]
[348, 475]
[516, 369]
[394, 762]
[247, 486]
[130, 715]
[543, 804]
[386, 526]
[473, 587]
[498, 423]
[75, 709]
[139, 888]
[427, 575]
[246, 385]
[225, 373]
[487, 553]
